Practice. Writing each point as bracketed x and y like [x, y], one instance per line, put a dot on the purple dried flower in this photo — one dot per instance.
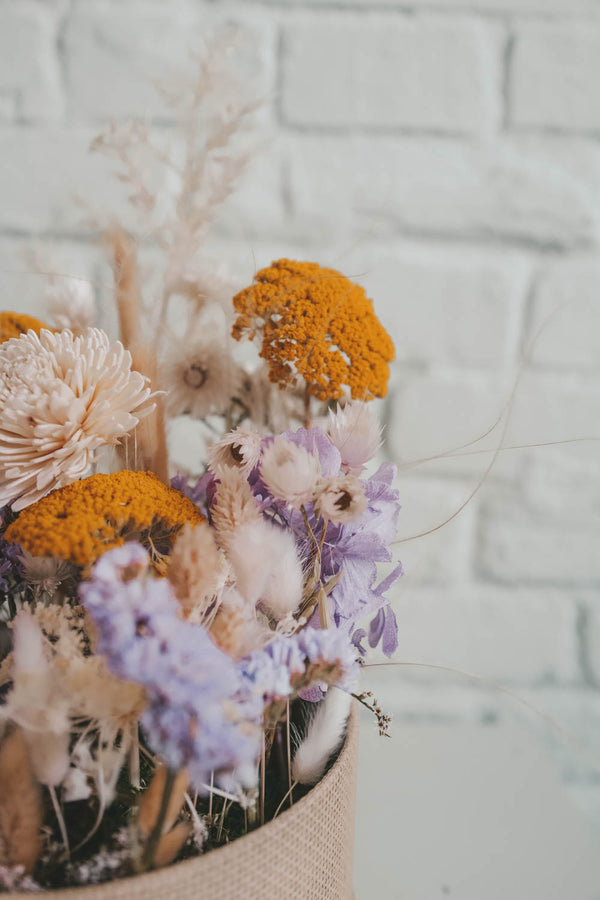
[295, 663]
[200, 491]
[314, 440]
[354, 549]
[11, 569]
[193, 718]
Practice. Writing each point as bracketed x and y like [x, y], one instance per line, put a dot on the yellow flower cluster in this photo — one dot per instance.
[83, 520]
[316, 323]
[13, 325]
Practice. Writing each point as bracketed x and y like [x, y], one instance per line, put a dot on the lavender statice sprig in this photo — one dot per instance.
[195, 717]
[311, 658]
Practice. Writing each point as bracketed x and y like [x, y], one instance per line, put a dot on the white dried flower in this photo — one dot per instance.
[356, 433]
[239, 449]
[75, 786]
[290, 472]
[200, 377]
[35, 703]
[71, 304]
[61, 398]
[340, 499]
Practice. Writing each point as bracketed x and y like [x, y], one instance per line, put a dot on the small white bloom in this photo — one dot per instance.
[200, 377]
[61, 398]
[356, 433]
[75, 785]
[290, 472]
[71, 304]
[239, 449]
[341, 499]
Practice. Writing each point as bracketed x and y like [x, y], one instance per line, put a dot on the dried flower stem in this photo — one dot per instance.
[151, 438]
[60, 819]
[262, 776]
[284, 798]
[127, 286]
[156, 833]
[307, 416]
[289, 750]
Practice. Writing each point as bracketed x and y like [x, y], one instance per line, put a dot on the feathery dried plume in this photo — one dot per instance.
[283, 589]
[37, 704]
[21, 808]
[235, 628]
[266, 567]
[263, 557]
[197, 571]
[61, 398]
[234, 506]
[323, 737]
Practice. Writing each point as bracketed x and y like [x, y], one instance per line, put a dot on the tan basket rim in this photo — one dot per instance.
[163, 878]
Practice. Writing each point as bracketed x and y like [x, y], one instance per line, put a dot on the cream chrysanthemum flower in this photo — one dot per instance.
[61, 398]
[200, 377]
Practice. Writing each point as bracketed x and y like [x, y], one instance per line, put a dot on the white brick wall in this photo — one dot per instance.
[446, 153]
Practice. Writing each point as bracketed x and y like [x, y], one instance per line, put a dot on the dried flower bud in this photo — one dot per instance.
[340, 499]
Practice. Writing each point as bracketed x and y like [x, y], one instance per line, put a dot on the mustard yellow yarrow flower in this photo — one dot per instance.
[83, 520]
[316, 323]
[13, 324]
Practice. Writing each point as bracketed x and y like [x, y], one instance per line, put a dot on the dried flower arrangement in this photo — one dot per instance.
[179, 654]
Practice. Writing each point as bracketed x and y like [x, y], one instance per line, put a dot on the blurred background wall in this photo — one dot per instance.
[446, 154]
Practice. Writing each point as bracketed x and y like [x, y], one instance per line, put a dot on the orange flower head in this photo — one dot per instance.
[81, 521]
[13, 324]
[317, 324]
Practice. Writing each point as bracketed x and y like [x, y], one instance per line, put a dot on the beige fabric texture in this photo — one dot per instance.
[305, 853]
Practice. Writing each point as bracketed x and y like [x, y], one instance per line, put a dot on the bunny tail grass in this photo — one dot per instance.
[323, 737]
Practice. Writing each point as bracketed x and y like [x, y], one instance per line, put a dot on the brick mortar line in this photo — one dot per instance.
[529, 246]
[410, 10]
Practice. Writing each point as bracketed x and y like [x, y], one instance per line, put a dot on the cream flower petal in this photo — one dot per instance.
[61, 398]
